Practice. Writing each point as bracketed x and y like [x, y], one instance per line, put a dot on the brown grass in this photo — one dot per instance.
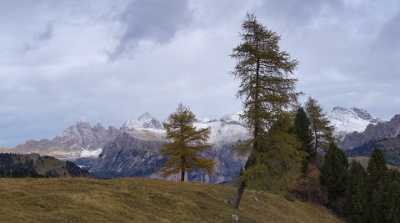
[142, 201]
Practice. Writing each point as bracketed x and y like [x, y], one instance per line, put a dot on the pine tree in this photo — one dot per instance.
[391, 201]
[356, 193]
[377, 169]
[377, 172]
[302, 130]
[321, 129]
[334, 176]
[266, 85]
[186, 144]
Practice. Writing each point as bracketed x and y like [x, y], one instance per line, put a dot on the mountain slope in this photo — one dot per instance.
[382, 130]
[349, 120]
[143, 201]
[77, 141]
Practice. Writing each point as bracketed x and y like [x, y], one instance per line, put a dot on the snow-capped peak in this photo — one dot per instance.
[145, 121]
[232, 118]
[228, 129]
[348, 120]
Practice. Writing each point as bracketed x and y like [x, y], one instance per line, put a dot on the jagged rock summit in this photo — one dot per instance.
[349, 120]
[145, 121]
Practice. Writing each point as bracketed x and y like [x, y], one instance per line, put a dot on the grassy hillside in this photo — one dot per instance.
[142, 201]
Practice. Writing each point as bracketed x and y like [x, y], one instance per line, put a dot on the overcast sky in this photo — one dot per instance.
[109, 61]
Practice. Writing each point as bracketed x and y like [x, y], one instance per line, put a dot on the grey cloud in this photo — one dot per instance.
[298, 12]
[348, 53]
[40, 38]
[46, 34]
[152, 20]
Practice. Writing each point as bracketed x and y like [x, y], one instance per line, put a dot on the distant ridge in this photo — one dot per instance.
[34, 165]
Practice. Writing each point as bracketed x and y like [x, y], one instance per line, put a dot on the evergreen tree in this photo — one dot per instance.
[377, 171]
[392, 201]
[302, 130]
[266, 85]
[186, 144]
[334, 176]
[277, 165]
[356, 193]
[320, 126]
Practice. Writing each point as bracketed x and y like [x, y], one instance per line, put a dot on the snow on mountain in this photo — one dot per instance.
[85, 153]
[228, 129]
[145, 121]
[348, 120]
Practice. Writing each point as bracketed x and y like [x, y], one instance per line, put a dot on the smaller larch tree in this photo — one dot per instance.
[320, 126]
[186, 145]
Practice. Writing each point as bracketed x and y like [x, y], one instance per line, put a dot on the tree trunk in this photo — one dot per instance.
[314, 155]
[182, 175]
[183, 168]
[238, 197]
[242, 185]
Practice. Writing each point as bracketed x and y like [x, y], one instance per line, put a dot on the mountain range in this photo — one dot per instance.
[133, 148]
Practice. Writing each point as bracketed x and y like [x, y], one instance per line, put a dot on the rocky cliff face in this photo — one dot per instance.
[376, 132]
[136, 151]
[77, 141]
[128, 156]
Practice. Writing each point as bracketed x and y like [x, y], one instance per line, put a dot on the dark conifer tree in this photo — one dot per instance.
[391, 201]
[356, 193]
[303, 132]
[377, 169]
[334, 176]
[377, 173]
[266, 85]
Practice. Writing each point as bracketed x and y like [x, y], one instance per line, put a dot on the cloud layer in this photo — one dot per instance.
[109, 61]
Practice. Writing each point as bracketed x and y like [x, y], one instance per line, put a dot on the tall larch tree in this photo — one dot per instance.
[266, 85]
[320, 126]
[186, 143]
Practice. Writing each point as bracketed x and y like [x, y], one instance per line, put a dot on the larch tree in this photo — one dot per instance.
[266, 85]
[320, 126]
[185, 146]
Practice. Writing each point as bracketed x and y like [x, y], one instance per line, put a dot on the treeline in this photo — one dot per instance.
[34, 165]
[370, 195]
